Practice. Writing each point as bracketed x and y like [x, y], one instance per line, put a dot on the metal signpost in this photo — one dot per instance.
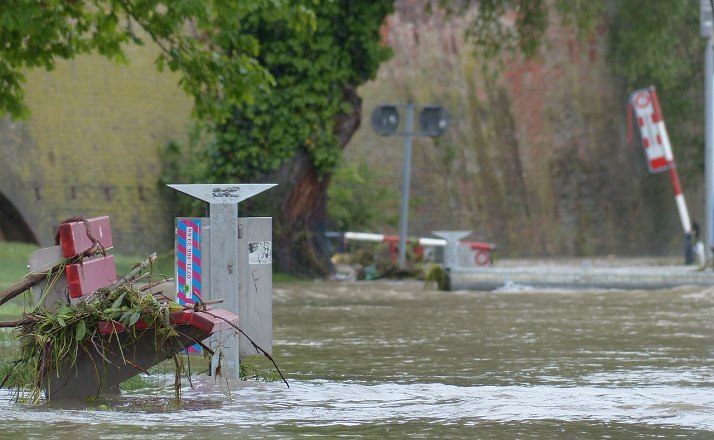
[433, 121]
[706, 32]
[224, 257]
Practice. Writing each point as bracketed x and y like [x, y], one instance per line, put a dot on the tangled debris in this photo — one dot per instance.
[121, 325]
[52, 341]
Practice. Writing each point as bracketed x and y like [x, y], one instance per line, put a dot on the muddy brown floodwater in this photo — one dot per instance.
[386, 359]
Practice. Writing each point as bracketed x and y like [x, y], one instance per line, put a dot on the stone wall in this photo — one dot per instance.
[91, 148]
[536, 159]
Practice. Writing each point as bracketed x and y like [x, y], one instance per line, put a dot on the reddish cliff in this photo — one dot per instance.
[536, 158]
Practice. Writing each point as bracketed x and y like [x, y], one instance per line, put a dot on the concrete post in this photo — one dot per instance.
[224, 272]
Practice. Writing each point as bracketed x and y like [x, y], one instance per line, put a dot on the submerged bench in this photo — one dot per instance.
[127, 350]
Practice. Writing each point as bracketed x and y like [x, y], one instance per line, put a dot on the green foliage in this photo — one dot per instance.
[436, 276]
[658, 43]
[359, 199]
[183, 164]
[137, 382]
[14, 375]
[521, 27]
[311, 72]
[376, 260]
[51, 338]
[653, 42]
[255, 368]
[204, 40]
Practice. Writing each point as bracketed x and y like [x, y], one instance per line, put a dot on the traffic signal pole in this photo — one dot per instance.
[433, 121]
[406, 175]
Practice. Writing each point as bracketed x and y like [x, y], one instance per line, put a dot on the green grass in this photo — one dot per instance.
[14, 258]
[164, 263]
[286, 278]
[13, 262]
[13, 267]
[12, 310]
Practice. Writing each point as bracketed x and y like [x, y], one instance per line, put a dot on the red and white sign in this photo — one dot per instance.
[654, 134]
[656, 143]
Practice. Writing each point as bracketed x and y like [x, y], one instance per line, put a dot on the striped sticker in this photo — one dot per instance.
[188, 264]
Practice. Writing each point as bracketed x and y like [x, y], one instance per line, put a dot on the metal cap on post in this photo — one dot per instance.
[451, 251]
[224, 232]
[222, 193]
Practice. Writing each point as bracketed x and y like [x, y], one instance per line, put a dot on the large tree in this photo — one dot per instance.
[204, 40]
[274, 85]
[294, 133]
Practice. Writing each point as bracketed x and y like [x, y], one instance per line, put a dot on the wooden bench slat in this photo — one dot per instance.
[90, 275]
[200, 320]
[74, 238]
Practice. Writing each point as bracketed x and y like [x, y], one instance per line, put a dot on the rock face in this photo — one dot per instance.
[536, 159]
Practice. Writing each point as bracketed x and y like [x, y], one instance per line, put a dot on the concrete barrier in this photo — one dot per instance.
[651, 277]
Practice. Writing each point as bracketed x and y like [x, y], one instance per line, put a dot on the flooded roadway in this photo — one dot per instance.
[388, 359]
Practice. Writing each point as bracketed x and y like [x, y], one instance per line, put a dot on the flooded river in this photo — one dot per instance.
[391, 360]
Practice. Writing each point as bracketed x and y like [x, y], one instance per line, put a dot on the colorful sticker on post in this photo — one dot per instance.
[188, 265]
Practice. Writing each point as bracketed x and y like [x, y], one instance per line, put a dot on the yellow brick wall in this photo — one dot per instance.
[91, 147]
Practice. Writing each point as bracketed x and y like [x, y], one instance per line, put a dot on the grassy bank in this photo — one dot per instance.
[14, 259]
[13, 262]
[15, 256]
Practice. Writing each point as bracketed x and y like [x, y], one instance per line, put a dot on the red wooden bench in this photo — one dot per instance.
[128, 352]
[96, 272]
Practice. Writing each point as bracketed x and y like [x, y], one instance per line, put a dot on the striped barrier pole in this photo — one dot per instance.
[669, 157]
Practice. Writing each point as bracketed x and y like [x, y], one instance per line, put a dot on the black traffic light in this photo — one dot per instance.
[434, 120]
[385, 119]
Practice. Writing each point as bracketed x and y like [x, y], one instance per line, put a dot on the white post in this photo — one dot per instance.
[709, 147]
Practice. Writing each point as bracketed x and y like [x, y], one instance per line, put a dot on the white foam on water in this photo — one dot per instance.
[325, 403]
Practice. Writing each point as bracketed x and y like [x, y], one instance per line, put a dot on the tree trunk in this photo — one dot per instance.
[299, 205]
